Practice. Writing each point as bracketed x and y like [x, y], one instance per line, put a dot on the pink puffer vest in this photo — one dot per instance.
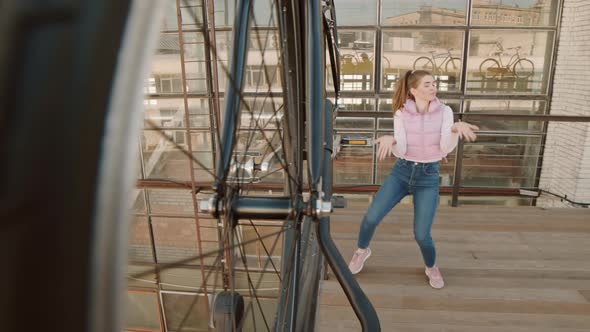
[423, 130]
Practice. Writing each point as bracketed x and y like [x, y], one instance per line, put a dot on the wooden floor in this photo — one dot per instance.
[509, 269]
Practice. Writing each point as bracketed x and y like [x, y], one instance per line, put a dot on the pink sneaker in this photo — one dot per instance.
[358, 260]
[434, 277]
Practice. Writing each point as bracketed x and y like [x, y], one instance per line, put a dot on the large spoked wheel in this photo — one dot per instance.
[262, 269]
[453, 65]
[270, 256]
[489, 68]
[424, 63]
[523, 68]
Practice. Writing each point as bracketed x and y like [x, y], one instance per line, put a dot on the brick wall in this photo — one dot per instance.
[566, 164]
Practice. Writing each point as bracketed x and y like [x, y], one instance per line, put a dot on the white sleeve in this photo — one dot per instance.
[448, 139]
[399, 133]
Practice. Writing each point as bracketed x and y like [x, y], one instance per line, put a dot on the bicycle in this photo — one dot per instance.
[362, 62]
[87, 201]
[517, 66]
[452, 64]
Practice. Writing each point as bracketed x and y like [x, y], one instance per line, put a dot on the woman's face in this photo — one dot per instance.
[426, 89]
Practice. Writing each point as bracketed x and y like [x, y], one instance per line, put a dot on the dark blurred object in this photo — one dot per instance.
[57, 67]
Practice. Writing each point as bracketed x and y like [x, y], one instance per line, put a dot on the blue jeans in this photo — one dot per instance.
[407, 178]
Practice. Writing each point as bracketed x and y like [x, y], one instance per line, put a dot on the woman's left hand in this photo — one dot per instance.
[465, 130]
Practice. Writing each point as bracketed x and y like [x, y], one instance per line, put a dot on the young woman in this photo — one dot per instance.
[424, 133]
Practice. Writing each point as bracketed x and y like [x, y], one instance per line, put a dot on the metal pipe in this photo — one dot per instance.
[360, 302]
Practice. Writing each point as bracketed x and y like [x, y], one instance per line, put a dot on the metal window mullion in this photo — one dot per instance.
[189, 143]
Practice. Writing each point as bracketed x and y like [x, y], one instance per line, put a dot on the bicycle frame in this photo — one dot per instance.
[513, 58]
[447, 55]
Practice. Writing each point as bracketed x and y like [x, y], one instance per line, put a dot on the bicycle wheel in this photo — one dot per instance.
[272, 297]
[523, 68]
[424, 63]
[489, 68]
[86, 202]
[453, 65]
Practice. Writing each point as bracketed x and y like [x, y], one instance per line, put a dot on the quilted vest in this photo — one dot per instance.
[423, 130]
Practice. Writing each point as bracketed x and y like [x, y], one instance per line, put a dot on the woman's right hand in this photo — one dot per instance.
[465, 130]
[385, 147]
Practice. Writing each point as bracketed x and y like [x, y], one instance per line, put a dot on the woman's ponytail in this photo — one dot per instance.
[401, 91]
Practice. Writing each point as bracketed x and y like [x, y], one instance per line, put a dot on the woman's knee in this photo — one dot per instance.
[371, 219]
[423, 238]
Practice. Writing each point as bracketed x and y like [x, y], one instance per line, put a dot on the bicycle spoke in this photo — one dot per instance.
[184, 261]
[251, 288]
[265, 249]
[194, 302]
[160, 131]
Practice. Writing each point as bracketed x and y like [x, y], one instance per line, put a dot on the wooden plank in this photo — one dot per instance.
[506, 269]
[340, 318]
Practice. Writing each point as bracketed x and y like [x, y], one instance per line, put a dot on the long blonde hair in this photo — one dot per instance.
[402, 89]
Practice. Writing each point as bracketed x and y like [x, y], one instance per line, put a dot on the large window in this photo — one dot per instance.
[509, 61]
[439, 52]
[488, 56]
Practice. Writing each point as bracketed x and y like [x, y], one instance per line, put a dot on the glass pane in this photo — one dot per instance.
[266, 283]
[261, 309]
[162, 159]
[224, 13]
[194, 46]
[447, 169]
[385, 124]
[509, 61]
[166, 75]
[140, 245]
[352, 164]
[137, 200]
[223, 46]
[164, 113]
[424, 12]
[356, 12]
[356, 104]
[257, 252]
[170, 21]
[506, 107]
[192, 16]
[263, 70]
[188, 310]
[514, 12]
[176, 240]
[501, 161]
[142, 311]
[261, 113]
[141, 276]
[439, 52]
[264, 14]
[199, 113]
[190, 279]
[357, 51]
[354, 123]
[171, 201]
